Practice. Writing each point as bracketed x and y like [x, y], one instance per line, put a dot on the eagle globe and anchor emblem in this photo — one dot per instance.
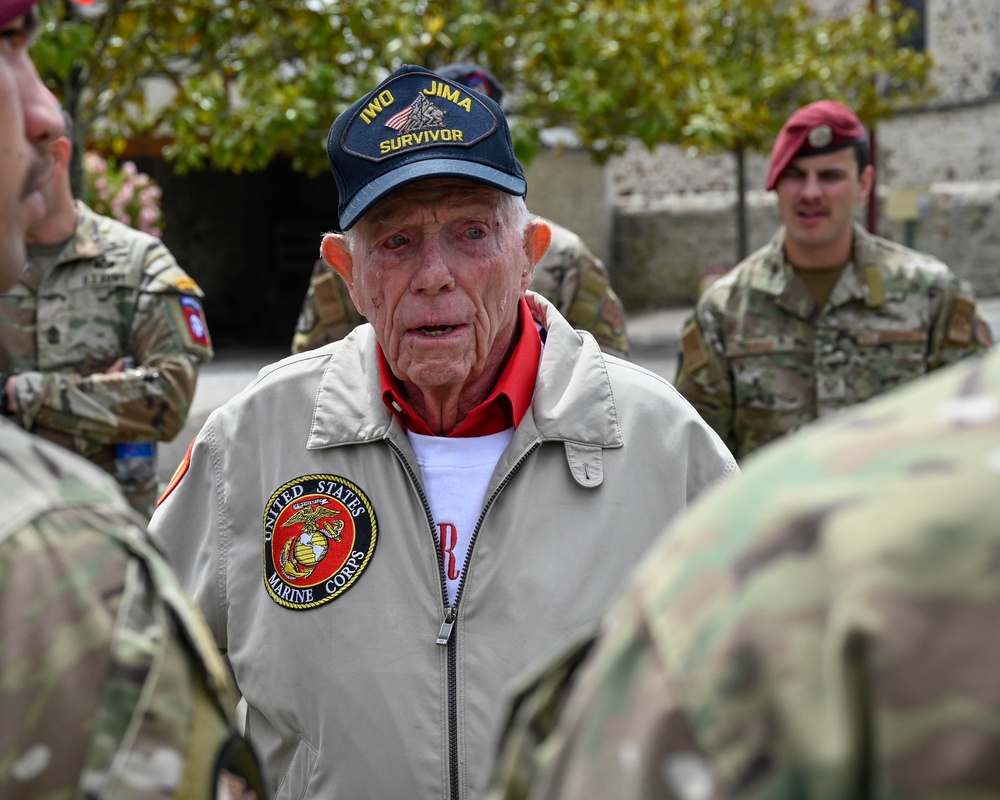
[300, 555]
[319, 536]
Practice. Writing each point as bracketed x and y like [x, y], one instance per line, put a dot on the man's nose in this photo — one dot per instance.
[434, 274]
[43, 118]
[811, 186]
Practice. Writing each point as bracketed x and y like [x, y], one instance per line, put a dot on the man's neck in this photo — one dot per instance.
[56, 227]
[829, 256]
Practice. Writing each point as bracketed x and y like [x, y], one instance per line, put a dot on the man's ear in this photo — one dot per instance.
[865, 182]
[61, 150]
[537, 237]
[336, 253]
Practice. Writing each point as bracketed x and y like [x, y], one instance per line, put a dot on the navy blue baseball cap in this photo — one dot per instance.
[414, 125]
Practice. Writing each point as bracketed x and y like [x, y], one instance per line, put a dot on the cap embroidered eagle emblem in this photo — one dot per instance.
[417, 116]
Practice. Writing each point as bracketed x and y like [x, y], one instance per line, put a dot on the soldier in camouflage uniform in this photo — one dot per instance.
[824, 627]
[569, 276]
[825, 315]
[109, 684]
[101, 340]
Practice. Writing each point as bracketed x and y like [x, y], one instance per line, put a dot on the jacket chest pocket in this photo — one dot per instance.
[774, 373]
[84, 325]
[883, 359]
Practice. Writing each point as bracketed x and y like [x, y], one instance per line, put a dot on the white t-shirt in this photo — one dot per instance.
[456, 472]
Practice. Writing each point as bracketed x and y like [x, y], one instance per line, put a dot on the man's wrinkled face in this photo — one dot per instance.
[817, 196]
[29, 119]
[439, 275]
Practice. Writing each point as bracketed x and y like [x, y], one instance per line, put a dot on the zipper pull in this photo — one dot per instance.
[449, 622]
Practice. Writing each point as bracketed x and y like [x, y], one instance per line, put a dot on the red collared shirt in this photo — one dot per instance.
[506, 405]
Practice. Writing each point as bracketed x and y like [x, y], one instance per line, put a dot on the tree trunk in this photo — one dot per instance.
[742, 224]
[72, 96]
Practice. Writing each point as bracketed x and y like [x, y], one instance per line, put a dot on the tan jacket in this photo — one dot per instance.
[355, 683]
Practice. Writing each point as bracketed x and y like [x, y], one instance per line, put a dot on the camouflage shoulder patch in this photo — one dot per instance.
[961, 321]
[194, 318]
[611, 313]
[693, 347]
[983, 333]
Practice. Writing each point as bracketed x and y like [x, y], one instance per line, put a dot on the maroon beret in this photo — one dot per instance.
[12, 9]
[820, 127]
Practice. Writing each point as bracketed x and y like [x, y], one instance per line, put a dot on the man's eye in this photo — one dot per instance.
[475, 233]
[396, 241]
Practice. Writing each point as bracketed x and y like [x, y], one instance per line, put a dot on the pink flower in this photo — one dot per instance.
[125, 194]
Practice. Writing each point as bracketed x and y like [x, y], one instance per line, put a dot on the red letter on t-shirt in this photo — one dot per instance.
[448, 535]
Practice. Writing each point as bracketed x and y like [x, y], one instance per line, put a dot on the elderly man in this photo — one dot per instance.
[825, 315]
[109, 686]
[101, 339]
[384, 532]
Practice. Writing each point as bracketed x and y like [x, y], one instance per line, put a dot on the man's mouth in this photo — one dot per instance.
[436, 330]
[812, 213]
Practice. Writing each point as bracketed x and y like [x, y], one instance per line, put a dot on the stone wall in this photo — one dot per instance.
[661, 253]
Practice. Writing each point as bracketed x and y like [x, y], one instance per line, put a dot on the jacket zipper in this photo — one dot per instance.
[451, 612]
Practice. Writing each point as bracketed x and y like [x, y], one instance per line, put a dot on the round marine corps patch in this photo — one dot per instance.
[319, 535]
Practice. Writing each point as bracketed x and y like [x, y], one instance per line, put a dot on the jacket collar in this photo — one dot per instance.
[861, 280]
[573, 401]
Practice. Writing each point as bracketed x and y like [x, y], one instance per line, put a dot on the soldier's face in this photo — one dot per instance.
[817, 197]
[439, 277]
[29, 119]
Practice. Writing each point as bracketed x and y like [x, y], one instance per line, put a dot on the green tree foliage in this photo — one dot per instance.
[254, 81]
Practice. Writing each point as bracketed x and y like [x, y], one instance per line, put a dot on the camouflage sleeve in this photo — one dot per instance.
[328, 313]
[168, 341]
[822, 626]
[101, 691]
[621, 734]
[959, 330]
[704, 377]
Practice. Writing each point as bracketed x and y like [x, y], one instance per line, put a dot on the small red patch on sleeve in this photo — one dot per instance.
[179, 473]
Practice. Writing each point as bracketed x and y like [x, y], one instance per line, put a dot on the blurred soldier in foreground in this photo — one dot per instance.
[109, 684]
[101, 339]
[824, 627]
[569, 275]
[825, 315]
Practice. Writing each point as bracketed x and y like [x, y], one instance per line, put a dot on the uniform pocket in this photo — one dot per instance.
[295, 781]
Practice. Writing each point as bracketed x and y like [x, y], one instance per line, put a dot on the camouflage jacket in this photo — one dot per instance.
[824, 626]
[113, 293]
[569, 276]
[110, 684]
[759, 360]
